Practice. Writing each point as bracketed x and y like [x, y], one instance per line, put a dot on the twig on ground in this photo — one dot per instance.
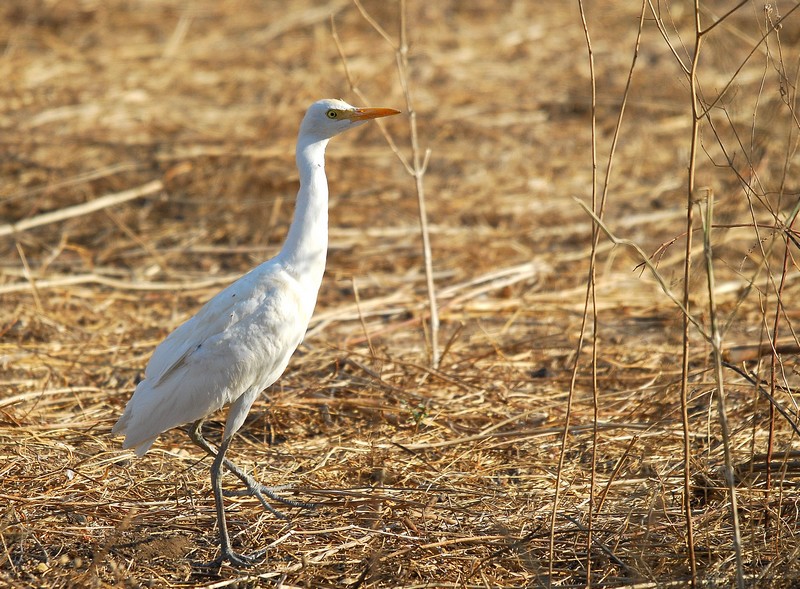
[96, 204]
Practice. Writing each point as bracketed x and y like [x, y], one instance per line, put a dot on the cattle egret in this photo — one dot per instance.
[240, 341]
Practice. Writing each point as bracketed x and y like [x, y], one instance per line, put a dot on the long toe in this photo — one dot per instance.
[255, 489]
[254, 492]
[272, 493]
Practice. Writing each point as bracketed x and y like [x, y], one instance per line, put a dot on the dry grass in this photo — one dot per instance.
[425, 478]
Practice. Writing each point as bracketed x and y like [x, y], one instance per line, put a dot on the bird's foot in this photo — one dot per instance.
[235, 559]
[254, 488]
[260, 492]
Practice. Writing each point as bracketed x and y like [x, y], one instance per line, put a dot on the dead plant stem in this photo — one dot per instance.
[595, 240]
[592, 293]
[419, 165]
[716, 350]
[589, 301]
[361, 318]
[773, 372]
[419, 159]
[790, 99]
[598, 208]
[699, 111]
[687, 275]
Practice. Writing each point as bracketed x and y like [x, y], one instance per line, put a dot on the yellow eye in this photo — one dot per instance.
[332, 114]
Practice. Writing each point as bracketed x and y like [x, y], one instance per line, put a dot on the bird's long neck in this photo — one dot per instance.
[304, 252]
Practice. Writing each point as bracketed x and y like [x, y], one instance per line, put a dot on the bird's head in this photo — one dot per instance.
[329, 117]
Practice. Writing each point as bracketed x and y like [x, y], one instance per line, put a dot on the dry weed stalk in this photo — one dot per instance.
[700, 111]
[790, 96]
[598, 208]
[589, 301]
[685, 357]
[419, 160]
[707, 219]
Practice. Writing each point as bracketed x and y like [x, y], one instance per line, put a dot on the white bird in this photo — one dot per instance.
[240, 341]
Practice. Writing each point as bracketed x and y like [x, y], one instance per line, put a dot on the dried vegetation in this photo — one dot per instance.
[425, 478]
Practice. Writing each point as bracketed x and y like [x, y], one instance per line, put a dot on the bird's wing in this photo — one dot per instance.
[221, 312]
[241, 340]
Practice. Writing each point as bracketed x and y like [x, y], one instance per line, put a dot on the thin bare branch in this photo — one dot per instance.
[723, 18]
[648, 263]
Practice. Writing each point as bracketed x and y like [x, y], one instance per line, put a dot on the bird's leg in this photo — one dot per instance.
[226, 552]
[254, 488]
[195, 431]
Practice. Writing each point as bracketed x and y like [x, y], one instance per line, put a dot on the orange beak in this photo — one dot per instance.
[365, 114]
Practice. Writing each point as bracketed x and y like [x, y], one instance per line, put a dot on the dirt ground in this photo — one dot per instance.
[423, 477]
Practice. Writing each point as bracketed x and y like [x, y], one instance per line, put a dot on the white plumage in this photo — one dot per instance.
[237, 345]
[240, 341]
